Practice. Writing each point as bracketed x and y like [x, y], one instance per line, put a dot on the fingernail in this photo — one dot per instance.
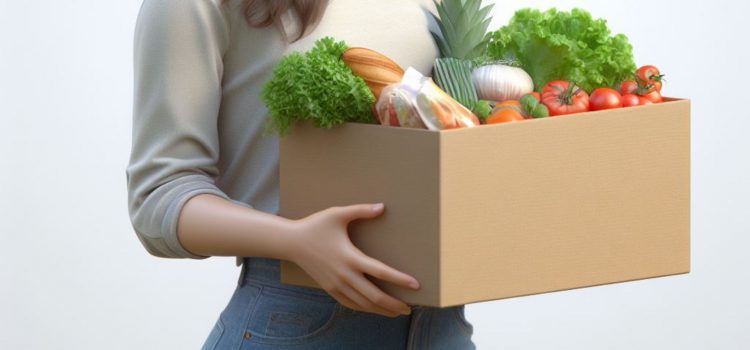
[406, 311]
[377, 207]
[414, 284]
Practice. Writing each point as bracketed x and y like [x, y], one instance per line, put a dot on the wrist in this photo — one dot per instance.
[287, 239]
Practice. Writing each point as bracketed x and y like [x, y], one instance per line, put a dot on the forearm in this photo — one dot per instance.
[209, 225]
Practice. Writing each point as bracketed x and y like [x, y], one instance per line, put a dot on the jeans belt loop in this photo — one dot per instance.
[243, 271]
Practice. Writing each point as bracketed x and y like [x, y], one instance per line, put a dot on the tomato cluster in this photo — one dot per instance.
[645, 88]
[562, 97]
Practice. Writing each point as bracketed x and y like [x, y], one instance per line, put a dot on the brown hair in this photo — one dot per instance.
[263, 13]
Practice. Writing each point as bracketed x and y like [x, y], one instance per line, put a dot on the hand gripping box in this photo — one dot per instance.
[504, 210]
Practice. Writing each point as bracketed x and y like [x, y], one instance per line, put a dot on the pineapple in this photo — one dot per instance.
[463, 37]
[463, 28]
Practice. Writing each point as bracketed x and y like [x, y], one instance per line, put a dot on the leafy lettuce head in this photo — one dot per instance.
[562, 45]
[316, 86]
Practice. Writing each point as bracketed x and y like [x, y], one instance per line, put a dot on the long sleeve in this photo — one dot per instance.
[178, 49]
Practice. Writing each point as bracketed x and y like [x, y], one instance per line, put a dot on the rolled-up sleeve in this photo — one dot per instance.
[178, 49]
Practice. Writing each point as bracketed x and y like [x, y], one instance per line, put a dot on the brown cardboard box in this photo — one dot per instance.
[506, 210]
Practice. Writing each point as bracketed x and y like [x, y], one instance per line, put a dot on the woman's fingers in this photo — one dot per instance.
[366, 304]
[359, 211]
[380, 270]
[367, 264]
[344, 300]
[351, 287]
[376, 295]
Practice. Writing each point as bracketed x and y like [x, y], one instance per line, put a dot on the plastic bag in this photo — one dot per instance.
[418, 102]
[395, 108]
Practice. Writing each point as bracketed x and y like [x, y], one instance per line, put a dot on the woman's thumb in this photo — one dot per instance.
[361, 211]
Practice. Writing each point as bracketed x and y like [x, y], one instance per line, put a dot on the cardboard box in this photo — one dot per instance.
[506, 210]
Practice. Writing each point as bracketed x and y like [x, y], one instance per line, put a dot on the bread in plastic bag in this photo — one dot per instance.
[418, 102]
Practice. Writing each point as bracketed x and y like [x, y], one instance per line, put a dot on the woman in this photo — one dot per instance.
[203, 179]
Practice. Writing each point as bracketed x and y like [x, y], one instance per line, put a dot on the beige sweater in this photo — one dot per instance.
[197, 115]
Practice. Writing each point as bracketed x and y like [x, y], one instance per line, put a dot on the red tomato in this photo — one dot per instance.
[628, 87]
[639, 88]
[657, 86]
[648, 74]
[630, 100]
[605, 98]
[562, 97]
[648, 88]
[653, 96]
[650, 77]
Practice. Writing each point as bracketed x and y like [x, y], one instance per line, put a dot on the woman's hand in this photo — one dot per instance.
[323, 249]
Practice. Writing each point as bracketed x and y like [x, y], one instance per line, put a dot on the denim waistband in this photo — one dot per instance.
[268, 271]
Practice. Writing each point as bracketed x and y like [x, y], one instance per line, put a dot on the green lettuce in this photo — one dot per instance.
[558, 45]
[316, 86]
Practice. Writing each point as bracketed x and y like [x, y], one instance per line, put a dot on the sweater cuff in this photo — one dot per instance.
[187, 190]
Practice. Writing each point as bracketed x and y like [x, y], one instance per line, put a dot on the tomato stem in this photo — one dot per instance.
[566, 97]
[643, 88]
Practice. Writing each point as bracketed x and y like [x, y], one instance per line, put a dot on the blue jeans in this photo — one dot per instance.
[266, 314]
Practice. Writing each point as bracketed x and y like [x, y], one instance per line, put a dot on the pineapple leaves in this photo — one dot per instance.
[441, 44]
[463, 38]
[463, 28]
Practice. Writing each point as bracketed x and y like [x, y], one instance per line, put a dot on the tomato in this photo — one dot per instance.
[650, 78]
[628, 87]
[656, 86]
[639, 88]
[605, 98]
[562, 97]
[505, 115]
[630, 100]
[648, 74]
[653, 96]
[647, 88]
[509, 104]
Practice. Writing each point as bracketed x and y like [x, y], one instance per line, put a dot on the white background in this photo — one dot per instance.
[74, 276]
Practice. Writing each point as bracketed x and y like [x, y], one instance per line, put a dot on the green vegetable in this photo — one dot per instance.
[533, 107]
[454, 76]
[462, 38]
[482, 109]
[558, 45]
[316, 86]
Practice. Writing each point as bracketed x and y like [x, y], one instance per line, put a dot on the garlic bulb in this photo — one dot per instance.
[498, 82]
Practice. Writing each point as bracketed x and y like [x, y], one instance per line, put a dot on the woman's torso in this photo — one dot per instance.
[249, 159]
